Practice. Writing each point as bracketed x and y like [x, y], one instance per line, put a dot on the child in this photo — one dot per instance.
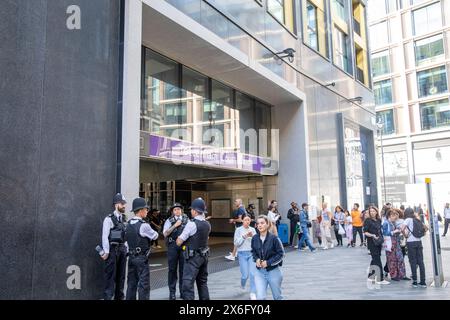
[348, 228]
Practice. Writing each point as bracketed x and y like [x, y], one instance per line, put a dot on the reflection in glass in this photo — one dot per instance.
[432, 81]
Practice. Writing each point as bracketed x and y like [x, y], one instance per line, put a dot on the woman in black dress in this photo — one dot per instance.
[372, 231]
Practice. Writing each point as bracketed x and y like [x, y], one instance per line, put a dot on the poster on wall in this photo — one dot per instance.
[354, 157]
[220, 208]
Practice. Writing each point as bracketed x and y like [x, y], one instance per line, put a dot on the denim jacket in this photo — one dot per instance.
[303, 218]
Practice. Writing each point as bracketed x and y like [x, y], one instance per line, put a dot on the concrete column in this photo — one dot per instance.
[293, 175]
[131, 99]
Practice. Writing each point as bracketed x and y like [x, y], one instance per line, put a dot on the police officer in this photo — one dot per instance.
[173, 227]
[138, 236]
[115, 251]
[195, 238]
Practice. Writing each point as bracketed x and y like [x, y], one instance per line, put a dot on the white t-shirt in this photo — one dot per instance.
[447, 213]
[409, 223]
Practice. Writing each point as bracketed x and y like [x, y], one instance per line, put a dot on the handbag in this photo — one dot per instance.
[379, 241]
[308, 224]
[387, 244]
[341, 230]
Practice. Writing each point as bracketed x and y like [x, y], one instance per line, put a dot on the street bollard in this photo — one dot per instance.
[438, 273]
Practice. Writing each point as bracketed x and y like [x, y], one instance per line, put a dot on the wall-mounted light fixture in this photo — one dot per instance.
[356, 99]
[286, 53]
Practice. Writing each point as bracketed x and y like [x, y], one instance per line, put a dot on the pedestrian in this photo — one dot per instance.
[196, 252]
[237, 221]
[268, 253]
[155, 223]
[138, 236]
[339, 222]
[294, 218]
[273, 217]
[402, 239]
[316, 229]
[173, 227]
[243, 241]
[357, 222]
[372, 230]
[325, 227]
[305, 224]
[274, 203]
[394, 256]
[115, 251]
[251, 212]
[447, 218]
[348, 228]
[413, 229]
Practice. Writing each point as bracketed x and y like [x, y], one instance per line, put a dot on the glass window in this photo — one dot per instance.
[263, 122]
[381, 63]
[427, 19]
[376, 9]
[341, 52]
[161, 94]
[276, 8]
[432, 81]
[413, 2]
[382, 91]
[340, 8]
[387, 118]
[435, 114]
[392, 5]
[312, 38]
[429, 49]
[379, 35]
[181, 103]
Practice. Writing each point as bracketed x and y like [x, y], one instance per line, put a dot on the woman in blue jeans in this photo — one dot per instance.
[268, 253]
[243, 242]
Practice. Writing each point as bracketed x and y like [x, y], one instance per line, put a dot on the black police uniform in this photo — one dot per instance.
[138, 268]
[196, 264]
[115, 264]
[175, 256]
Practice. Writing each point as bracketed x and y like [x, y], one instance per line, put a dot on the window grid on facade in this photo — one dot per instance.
[429, 49]
[387, 119]
[382, 91]
[432, 81]
[381, 63]
[427, 19]
[435, 114]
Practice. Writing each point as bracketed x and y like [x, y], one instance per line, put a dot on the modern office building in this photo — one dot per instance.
[171, 100]
[410, 52]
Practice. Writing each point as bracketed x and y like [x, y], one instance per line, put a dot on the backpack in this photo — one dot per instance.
[418, 229]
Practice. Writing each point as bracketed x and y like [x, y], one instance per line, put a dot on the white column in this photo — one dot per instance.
[131, 100]
[293, 172]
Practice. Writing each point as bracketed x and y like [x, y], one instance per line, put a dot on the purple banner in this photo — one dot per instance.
[185, 152]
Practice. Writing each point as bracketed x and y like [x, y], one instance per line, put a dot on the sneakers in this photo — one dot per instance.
[382, 282]
[414, 284]
[324, 248]
[296, 247]
[252, 296]
[230, 257]
[422, 285]
[332, 246]
[406, 278]
[314, 250]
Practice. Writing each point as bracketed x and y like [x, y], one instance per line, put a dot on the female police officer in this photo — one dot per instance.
[173, 227]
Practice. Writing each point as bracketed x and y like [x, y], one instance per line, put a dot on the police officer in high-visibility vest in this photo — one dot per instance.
[115, 251]
[138, 236]
[173, 227]
[194, 242]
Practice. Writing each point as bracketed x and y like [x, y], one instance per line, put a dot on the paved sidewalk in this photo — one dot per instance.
[338, 273]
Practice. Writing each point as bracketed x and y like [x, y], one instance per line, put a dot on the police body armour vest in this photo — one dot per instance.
[178, 231]
[200, 238]
[117, 233]
[135, 239]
